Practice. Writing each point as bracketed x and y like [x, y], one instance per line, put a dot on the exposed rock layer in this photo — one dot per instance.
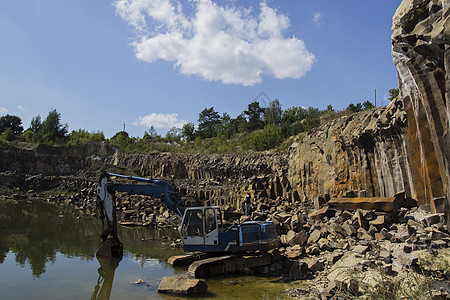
[362, 153]
[420, 48]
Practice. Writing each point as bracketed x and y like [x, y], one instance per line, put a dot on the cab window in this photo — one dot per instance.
[193, 223]
[210, 220]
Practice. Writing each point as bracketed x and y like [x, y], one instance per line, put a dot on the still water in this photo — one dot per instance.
[47, 251]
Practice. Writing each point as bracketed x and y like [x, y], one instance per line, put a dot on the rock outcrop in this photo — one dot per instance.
[359, 155]
[421, 53]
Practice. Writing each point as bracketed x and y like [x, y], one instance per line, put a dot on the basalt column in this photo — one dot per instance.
[420, 49]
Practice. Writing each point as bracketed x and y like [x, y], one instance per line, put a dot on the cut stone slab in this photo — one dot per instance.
[387, 204]
[182, 286]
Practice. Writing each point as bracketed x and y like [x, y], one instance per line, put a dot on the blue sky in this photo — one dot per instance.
[102, 63]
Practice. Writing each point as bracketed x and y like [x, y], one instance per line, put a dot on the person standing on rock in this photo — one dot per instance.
[247, 205]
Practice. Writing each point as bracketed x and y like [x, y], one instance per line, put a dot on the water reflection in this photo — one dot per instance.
[35, 232]
[105, 280]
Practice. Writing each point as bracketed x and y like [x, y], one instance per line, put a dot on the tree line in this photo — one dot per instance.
[255, 128]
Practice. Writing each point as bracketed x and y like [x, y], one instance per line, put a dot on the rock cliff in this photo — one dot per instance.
[362, 154]
[420, 49]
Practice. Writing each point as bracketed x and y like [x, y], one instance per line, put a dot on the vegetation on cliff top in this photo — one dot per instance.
[255, 129]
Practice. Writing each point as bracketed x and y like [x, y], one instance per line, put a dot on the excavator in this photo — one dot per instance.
[202, 228]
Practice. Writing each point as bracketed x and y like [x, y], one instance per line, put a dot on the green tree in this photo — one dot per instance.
[208, 123]
[330, 108]
[174, 134]
[273, 113]
[254, 115]
[368, 105]
[188, 131]
[225, 129]
[354, 108]
[393, 93]
[121, 140]
[12, 122]
[151, 134]
[51, 129]
[35, 124]
[291, 121]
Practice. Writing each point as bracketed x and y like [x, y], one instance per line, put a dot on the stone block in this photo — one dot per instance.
[183, 286]
[314, 236]
[298, 239]
[362, 222]
[293, 254]
[319, 202]
[379, 222]
[349, 229]
[360, 249]
[298, 270]
[315, 266]
[387, 204]
[313, 250]
[439, 205]
[433, 219]
[323, 212]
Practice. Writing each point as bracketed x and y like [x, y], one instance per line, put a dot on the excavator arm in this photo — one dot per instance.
[107, 205]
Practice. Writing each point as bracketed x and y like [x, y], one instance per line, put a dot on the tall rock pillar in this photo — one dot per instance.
[421, 53]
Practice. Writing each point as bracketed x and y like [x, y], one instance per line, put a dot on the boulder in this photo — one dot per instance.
[298, 239]
[298, 270]
[183, 286]
[314, 236]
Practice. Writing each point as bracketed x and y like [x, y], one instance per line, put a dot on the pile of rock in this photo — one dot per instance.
[328, 245]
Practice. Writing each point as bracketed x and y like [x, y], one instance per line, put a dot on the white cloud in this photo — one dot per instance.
[161, 121]
[3, 110]
[317, 19]
[226, 44]
[21, 107]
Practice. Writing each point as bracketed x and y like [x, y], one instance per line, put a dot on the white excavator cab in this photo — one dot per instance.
[201, 225]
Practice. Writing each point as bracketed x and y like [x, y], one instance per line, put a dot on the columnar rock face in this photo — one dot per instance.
[420, 48]
[362, 153]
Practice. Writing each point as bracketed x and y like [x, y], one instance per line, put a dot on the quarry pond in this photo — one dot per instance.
[47, 251]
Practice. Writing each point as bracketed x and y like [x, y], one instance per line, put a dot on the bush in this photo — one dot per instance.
[268, 138]
[82, 136]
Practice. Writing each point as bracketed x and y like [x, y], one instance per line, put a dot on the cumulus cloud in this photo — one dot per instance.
[160, 121]
[3, 110]
[233, 45]
[317, 19]
[21, 107]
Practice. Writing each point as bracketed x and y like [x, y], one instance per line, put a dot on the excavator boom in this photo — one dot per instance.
[107, 205]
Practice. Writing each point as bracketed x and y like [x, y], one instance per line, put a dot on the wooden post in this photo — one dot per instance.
[375, 97]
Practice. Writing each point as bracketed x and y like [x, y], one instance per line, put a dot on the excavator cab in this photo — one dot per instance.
[201, 226]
